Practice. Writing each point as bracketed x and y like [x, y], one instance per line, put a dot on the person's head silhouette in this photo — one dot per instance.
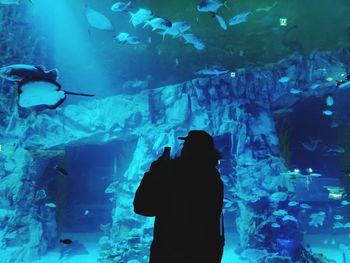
[200, 145]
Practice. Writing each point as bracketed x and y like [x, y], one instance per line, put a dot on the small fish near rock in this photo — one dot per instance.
[66, 241]
[51, 205]
[61, 170]
[212, 71]
[276, 225]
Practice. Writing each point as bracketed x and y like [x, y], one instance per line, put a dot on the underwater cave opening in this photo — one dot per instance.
[82, 204]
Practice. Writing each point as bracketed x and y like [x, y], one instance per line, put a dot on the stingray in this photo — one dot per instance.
[18, 72]
[39, 93]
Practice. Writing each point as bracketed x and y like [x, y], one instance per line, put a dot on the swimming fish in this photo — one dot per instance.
[338, 217]
[329, 101]
[289, 218]
[121, 7]
[52, 205]
[305, 206]
[335, 149]
[280, 212]
[278, 197]
[61, 170]
[311, 145]
[158, 23]
[275, 225]
[315, 86]
[66, 241]
[344, 83]
[240, 18]
[194, 40]
[344, 202]
[18, 72]
[295, 91]
[317, 219]
[293, 203]
[327, 112]
[221, 21]
[212, 71]
[176, 61]
[176, 29]
[98, 20]
[266, 8]
[86, 212]
[125, 38]
[284, 79]
[210, 6]
[141, 16]
[42, 93]
[315, 175]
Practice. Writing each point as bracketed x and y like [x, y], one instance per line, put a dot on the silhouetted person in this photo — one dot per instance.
[186, 196]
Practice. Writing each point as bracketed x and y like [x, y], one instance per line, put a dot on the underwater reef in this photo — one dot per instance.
[239, 108]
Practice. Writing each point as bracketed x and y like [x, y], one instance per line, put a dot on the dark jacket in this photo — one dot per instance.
[186, 198]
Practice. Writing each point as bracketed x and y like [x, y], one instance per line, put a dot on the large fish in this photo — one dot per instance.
[98, 20]
[158, 23]
[18, 72]
[194, 40]
[141, 16]
[210, 6]
[42, 93]
[240, 18]
[176, 29]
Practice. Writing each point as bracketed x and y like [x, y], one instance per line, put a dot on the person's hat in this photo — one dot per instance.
[199, 137]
